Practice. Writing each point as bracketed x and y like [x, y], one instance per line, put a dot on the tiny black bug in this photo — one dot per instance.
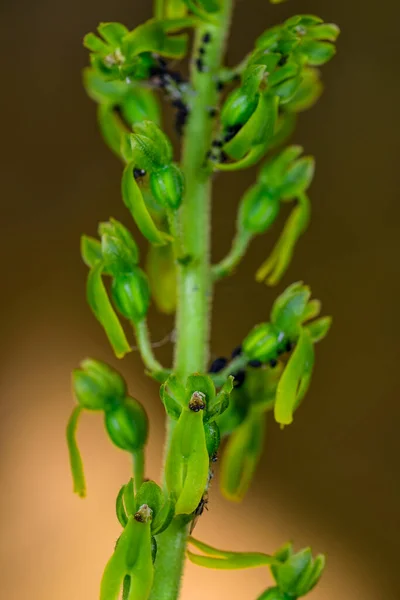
[138, 173]
[256, 364]
[206, 39]
[202, 50]
[199, 510]
[220, 86]
[239, 378]
[213, 112]
[217, 143]
[282, 61]
[289, 346]
[236, 351]
[218, 364]
[199, 65]
[273, 362]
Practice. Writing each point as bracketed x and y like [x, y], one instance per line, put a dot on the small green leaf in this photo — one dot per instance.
[75, 459]
[133, 200]
[90, 250]
[101, 306]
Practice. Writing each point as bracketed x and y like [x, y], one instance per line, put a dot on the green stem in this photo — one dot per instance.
[146, 351]
[234, 256]
[194, 274]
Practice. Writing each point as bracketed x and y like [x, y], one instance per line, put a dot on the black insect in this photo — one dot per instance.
[199, 64]
[273, 362]
[239, 378]
[199, 510]
[206, 39]
[220, 86]
[213, 112]
[282, 61]
[256, 364]
[218, 364]
[138, 173]
[236, 352]
[231, 131]
[217, 143]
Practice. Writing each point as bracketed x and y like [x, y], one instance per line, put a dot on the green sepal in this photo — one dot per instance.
[90, 250]
[187, 463]
[161, 271]
[172, 408]
[177, 390]
[295, 379]
[298, 178]
[120, 507]
[241, 456]
[96, 385]
[153, 37]
[275, 266]
[127, 425]
[295, 573]
[75, 459]
[151, 494]
[102, 91]
[312, 310]
[203, 384]
[213, 438]
[102, 309]
[164, 517]
[317, 53]
[113, 33]
[273, 171]
[131, 294]
[288, 309]
[319, 329]
[163, 151]
[118, 248]
[257, 131]
[219, 403]
[222, 559]
[133, 200]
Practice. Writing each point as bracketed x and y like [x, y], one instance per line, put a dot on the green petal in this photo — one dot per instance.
[75, 459]
[102, 308]
[295, 379]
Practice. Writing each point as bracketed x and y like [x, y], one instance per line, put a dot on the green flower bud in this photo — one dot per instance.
[131, 294]
[258, 209]
[118, 248]
[288, 309]
[96, 385]
[263, 342]
[298, 573]
[238, 108]
[213, 438]
[127, 425]
[167, 186]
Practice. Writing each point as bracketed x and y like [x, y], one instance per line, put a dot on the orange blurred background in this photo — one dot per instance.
[332, 479]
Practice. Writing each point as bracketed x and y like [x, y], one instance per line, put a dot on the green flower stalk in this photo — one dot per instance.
[226, 118]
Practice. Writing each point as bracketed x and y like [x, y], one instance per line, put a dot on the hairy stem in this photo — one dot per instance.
[194, 275]
[234, 256]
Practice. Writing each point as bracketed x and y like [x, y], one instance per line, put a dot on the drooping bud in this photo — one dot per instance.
[131, 294]
[258, 209]
[167, 186]
[127, 425]
[262, 342]
[96, 385]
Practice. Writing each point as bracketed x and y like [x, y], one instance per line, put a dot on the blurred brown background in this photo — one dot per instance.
[332, 479]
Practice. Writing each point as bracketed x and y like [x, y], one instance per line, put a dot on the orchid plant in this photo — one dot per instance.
[226, 119]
